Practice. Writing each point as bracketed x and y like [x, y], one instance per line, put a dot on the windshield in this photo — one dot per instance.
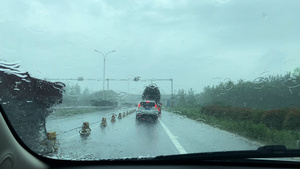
[225, 74]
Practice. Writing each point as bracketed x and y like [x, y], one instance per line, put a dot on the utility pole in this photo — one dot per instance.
[104, 57]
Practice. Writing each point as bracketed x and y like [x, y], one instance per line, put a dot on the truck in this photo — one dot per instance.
[152, 93]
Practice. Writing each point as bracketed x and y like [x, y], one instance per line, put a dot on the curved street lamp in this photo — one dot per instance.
[104, 57]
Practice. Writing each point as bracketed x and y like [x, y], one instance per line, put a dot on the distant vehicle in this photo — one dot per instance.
[147, 111]
[152, 92]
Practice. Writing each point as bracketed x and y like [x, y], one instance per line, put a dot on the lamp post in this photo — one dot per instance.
[104, 57]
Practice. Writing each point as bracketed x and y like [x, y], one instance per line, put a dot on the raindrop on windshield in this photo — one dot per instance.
[122, 95]
[226, 86]
[260, 82]
[221, 2]
[292, 82]
[264, 15]
[16, 86]
[290, 90]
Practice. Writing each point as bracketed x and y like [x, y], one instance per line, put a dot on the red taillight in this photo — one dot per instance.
[139, 105]
[147, 101]
[155, 106]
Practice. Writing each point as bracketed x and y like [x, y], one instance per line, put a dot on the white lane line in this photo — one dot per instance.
[173, 139]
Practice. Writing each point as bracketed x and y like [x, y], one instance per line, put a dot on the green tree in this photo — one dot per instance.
[191, 100]
[76, 89]
[296, 72]
[86, 92]
[104, 95]
[181, 98]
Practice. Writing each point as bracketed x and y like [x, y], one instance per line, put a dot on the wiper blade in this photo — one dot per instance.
[273, 149]
[270, 151]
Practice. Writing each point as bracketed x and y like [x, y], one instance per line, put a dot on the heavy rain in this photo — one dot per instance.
[96, 80]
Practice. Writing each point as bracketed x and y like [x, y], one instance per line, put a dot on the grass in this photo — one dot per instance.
[253, 131]
[71, 112]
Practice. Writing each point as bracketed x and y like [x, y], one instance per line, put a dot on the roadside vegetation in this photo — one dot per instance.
[261, 126]
[73, 111]
[74, 96]
[266, 109]
[77, 101]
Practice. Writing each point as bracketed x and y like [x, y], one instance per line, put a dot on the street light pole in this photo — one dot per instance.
[104, 57]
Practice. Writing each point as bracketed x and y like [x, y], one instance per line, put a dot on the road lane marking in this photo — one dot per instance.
[173, 139]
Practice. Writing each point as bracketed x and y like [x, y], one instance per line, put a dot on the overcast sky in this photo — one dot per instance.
[196, 43]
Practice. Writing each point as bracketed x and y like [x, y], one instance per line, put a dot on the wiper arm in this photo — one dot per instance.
[270, 151]
[273, 149]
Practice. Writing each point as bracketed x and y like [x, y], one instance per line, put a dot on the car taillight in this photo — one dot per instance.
[155, 106]
[139, 105]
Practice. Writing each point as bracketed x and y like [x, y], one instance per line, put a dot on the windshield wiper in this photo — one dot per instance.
[269, 151]
[274, 149]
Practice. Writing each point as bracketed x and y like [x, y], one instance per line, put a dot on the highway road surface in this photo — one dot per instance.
[126, 138]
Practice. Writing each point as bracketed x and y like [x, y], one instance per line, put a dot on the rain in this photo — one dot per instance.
[223, 75]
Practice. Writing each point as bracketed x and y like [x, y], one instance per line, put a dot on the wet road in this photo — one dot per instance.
[171, 134]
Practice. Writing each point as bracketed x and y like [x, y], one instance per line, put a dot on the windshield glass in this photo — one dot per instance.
[225, 74]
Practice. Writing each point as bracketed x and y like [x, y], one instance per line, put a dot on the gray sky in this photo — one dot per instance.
[197, 43]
